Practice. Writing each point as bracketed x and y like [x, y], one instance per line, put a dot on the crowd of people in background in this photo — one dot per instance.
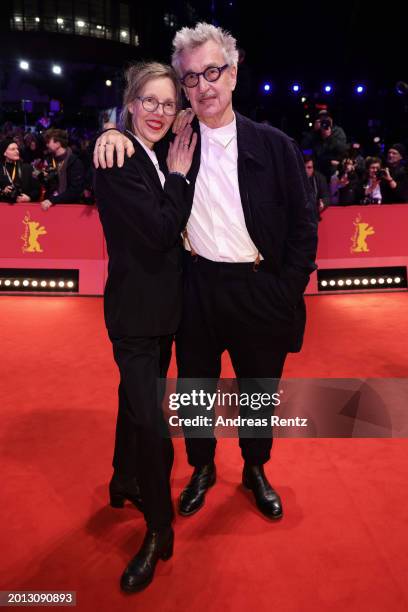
[341, 175]
[51, 167]
[55, 166]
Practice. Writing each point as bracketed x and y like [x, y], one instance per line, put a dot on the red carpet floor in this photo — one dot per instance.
[342, 544]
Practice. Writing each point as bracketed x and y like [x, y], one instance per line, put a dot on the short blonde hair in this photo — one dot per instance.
[137, 75]
[190, 38]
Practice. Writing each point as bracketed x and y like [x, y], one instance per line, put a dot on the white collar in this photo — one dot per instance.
[150, 152]
[222, 135]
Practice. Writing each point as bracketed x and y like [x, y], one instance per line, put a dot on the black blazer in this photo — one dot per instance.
[279, 210]
[142, 224]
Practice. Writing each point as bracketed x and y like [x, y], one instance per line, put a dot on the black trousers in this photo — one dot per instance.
[231, 307]
[143, 447]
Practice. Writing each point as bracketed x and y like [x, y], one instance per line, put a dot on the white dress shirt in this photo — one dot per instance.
[216, 227]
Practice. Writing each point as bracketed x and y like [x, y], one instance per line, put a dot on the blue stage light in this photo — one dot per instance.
[360, 89]
[328, 89]
[267, 87]
[296, 88]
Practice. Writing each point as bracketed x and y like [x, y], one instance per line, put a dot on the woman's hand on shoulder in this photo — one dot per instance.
[181, 151]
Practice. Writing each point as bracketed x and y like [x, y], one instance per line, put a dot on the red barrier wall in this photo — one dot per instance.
[70, 236]
[362, 236]
[66, 236]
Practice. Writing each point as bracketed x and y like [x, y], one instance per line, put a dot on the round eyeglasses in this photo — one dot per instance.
[211, 74]
[151, 104]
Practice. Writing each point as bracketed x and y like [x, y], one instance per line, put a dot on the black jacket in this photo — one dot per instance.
[24, 181]
[75, 183]
[142, 224]
[279, 212]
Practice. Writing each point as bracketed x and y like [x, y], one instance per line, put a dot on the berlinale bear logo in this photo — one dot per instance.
[31, 233]
[361, 233]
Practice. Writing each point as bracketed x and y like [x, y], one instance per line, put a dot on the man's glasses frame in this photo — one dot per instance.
[211, 74]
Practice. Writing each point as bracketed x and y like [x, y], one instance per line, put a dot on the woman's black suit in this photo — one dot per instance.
[142, 222]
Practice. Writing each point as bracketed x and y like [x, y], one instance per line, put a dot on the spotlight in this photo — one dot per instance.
[17, 19]
[70, 284]
[81, 24]
[324, 283]
[108, 83]
[26, 283]
[34, 284]
[16, 283]
[340, 283]
[356, 281]
[60, 21]
[56, 69]
[53, 284]
[303, 100]
[389, 280]
[43, 283]
[24, 65]
[267, 87]
[381, 281]
[61, 284]
[349, 282]
[37, 20]
[123, 34]
[310, 124]
[365, 281]
[328, 89]
[99, 27]
[332, 283]
[397, 280]
[296, 88]
[373, 281]
[360, 89]
[7, 283]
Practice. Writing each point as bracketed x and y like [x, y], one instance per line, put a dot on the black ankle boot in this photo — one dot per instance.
[266, 498]
[193, 496]
[124, 487]
[140, 571]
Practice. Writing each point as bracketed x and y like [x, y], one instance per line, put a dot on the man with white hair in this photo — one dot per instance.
[250, 246]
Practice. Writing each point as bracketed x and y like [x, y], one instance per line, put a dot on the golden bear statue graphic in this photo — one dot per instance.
[361, 233]
[32, 231]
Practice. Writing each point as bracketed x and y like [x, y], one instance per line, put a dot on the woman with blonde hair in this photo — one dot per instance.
[143, 208]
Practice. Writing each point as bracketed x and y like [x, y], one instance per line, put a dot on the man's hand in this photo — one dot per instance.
[107, 144]
[46, 204]
[23, 198]
[8, 189]
[184, 117]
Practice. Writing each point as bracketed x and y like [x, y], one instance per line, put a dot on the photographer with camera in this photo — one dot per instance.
[345, 184]
[327, 142]
[372, 181]
[394, 180]
[64, 176]
[17, 183]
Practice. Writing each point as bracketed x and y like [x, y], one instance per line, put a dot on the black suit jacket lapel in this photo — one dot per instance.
[146, 162]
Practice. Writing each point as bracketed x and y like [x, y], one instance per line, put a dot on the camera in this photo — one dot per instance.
[380, 174]
[325, 124]
[48, 176]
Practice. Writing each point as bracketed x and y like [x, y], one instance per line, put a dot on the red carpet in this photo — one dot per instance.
[342, 544]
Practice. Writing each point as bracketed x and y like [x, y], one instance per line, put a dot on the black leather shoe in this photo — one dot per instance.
[193, 496]
[140, 571]
[266, 498]
[124, 487]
